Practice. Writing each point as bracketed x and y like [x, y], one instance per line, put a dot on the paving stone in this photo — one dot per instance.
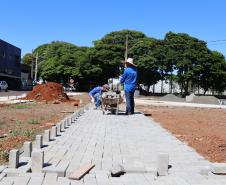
[46, 136]
[53, 132]
[133, 142]
[50, 178]
[39, 141]
[21, 180]
[162, 164]
[218, 168]
[2, 167]
[13, 158]
[37, 161]
[2, 175]
[27, 147]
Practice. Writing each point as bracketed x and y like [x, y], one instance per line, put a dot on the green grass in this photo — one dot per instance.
[4, 155]
[22, 106]
[21, 132]
[33, 121]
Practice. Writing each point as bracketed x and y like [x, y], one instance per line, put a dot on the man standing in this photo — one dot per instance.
[95, 94]
[129, 78]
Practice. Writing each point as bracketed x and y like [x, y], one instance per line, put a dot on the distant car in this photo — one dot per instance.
[3, 86]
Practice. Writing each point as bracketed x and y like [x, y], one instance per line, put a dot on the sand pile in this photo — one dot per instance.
[50, 91]
[206, 100]
[171, 97]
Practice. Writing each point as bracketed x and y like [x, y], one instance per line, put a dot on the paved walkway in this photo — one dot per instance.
[107, 140]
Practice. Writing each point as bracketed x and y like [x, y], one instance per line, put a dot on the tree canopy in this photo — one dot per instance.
[178, 56]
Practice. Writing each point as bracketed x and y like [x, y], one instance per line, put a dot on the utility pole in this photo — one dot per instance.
[32, 61]
[126, 52]
[36, 67]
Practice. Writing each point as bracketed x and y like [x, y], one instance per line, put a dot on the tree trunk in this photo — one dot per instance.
[148, 89]
[153, 89]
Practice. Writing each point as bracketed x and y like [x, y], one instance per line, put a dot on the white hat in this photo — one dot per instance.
[130, 61]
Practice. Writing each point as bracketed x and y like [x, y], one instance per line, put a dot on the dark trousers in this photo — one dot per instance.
[129, 102]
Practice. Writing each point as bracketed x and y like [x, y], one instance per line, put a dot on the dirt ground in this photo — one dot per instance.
[202, 129]
[21, 122]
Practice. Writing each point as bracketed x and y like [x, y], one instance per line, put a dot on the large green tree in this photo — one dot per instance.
[58, 61]
[212, 73]
[109, 51]
[187, 53]
[143, 53]
[27, 59]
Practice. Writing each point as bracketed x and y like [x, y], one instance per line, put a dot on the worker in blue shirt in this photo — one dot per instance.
[95, 94]
[129, 78]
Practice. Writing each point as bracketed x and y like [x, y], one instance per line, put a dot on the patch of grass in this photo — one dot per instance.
[18, 122]
[16, 132]
[21, 106]
[33, 121]
[4, 155]
[29, 133]
[21, 132]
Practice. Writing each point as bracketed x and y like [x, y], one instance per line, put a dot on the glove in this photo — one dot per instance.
[92, 100]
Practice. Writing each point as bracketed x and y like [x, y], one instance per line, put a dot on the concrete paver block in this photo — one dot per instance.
[58, 126]
[39, 141]
[13, 158]
[117, 170]
[162, 164]
[218, 168]
[37, 161]
[46, 135]
[53, 133]
[27, 147]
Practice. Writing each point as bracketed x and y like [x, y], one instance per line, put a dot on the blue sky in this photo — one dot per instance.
[30, 23]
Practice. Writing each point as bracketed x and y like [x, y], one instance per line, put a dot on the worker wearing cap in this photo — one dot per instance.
[129, 79]
[95, 94]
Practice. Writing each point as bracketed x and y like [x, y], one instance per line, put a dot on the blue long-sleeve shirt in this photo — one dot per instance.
[95, 91]
[129, 78]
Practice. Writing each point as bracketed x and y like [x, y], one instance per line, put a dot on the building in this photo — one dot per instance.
[10, 70]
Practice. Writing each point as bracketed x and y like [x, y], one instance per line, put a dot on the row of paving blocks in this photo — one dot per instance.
[31, 159]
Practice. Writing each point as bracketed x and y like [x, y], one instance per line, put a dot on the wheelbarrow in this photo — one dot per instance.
[110, 102]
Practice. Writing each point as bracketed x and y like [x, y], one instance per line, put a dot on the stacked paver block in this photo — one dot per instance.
[218, 168]
[37, 161]
[58, 126]
[162, 164]
[27, 147]
[62, 126]
[13, 158]
[69, 121]
[65, 124]
[53, 133]
[39, 141]
[46, 137]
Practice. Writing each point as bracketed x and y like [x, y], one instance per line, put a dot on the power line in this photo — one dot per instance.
[222, 40]
[215, 44]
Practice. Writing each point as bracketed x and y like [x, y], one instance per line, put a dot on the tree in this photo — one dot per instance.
[27, 59]
[144, 55]
[213, 73]
[188, 53]
[60, 61]
[109, 51]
